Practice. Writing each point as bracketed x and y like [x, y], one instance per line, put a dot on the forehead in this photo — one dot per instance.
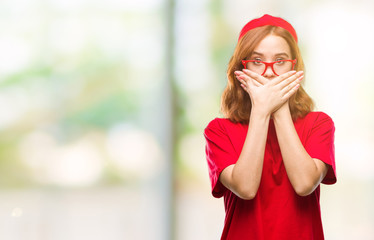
[272, 45]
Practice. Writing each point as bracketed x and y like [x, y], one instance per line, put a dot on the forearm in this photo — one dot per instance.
[302, 170]
[243, 178]
[246, 173]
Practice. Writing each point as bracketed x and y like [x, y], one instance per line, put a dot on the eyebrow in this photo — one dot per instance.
[278, 54]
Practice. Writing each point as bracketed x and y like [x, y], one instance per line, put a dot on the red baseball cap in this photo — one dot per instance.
[268, 20]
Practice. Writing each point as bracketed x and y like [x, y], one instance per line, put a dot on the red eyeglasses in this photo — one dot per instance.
[278, 67]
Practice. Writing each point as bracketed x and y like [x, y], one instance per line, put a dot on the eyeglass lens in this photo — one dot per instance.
[277, 67]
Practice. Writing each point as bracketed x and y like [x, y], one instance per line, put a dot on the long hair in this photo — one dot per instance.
[235, 101]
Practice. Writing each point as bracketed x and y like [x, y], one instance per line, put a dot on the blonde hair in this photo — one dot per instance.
[235, 101]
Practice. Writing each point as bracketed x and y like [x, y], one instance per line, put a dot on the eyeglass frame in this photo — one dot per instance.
[270, 64]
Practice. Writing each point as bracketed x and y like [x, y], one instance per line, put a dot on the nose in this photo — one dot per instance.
[269, 73]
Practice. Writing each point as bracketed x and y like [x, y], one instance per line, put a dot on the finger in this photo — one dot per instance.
[291, 92]
[245, 79]
[241, 79]
[251, 83]
[255, 83]
[286, 82]
[244, 87]
[256, 76]
[282, 77]
[292, 84]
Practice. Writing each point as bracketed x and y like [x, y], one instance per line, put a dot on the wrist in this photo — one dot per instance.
[284, 109]
[259, 113]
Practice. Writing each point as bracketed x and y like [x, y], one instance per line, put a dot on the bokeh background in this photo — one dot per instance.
[103, 106]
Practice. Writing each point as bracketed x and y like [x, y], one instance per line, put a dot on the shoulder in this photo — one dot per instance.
[317, 115]
[221, 126]
[316, 121]
[317, 118]
[219, 123]
[222, 123]
[216, 125]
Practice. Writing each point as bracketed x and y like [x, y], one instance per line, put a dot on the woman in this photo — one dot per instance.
[270, 153]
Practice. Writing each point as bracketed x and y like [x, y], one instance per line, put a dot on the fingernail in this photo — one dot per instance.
[237, 72]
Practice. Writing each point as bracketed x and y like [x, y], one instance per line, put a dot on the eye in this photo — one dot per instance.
[257, 60]
[280, 61]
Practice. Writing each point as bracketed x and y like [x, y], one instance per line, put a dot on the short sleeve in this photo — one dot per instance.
[220, 154]
[320, 144]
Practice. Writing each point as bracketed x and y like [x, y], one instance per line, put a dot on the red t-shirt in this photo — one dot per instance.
[276, 212]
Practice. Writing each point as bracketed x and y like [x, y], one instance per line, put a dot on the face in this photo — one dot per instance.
[272, 48]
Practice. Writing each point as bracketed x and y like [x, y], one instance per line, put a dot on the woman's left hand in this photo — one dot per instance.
[258, 81]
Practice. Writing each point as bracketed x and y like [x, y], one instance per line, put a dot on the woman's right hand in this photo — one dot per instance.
[266, 95]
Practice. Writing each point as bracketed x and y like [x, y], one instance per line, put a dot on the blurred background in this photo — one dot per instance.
[103, 106]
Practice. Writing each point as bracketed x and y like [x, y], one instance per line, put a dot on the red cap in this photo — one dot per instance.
[268, 20]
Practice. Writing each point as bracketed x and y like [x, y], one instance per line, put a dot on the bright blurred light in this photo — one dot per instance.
[111, 4]
[75, 164]
[192, 151]
[15, 54]
[67, 37]
[356, 159]
[195, 74]
[340, 55]
[17, 212]
[13, 105]
[134, 151]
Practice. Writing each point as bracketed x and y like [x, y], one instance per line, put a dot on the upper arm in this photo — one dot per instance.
[219, 154]
[320, 145]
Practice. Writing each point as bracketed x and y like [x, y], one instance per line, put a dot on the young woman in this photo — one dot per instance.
[270, 153]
